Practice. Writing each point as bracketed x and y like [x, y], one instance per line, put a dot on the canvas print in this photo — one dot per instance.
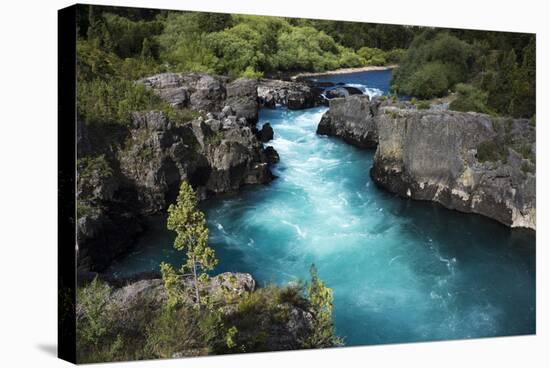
[253, 183]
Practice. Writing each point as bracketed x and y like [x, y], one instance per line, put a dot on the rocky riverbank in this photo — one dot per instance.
[134, 170]
[465, 161]
[237, 317]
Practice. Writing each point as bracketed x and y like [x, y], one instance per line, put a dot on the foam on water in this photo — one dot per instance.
[401, 270]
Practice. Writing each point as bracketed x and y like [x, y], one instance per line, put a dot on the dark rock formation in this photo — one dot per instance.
[341, 92]
[352, 119]
[271, 156]
[242, 96]
[266, 133]
[203, 92]
[216, 153]
[214, 156]
[465, 161]
[294, 95]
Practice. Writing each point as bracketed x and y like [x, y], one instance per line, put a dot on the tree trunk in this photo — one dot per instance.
[197, 296]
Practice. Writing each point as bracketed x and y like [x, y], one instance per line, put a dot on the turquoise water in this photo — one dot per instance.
[401, 270]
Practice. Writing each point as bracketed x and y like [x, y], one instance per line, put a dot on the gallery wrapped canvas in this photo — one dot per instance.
[237, 183]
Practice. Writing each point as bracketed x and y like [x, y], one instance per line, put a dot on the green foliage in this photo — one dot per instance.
[123, 36]
[189, 223]
[173, 286]
[492, 72]
[305, 48]
[356, 35]
[511, 84]
[395, 56]
[430, 80]
[175, 331]
[470, 98]
[230, 337]
[95, 342]
[491, 151]
[93, 298]
[372, 56]
[111, 101]
[423, 105]
[183, 45]
[90, 166]
[84, 208]
[320, 299]
[434, 63]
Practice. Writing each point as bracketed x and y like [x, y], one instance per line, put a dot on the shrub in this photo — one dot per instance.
[434, 63]
[470, 98]
[423, 105]
[95, 339]
[249, 72]
[112, 101]
[395, 56]
[491, 151]
[428, 81]
[90, 166]
[372, 56]
[175, 331]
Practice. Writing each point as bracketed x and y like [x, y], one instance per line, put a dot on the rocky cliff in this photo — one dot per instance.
[132, 170]
[353, 119]
[465, 161]
[294, 95]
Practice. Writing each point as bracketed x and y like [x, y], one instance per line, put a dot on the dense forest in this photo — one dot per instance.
[491, 72]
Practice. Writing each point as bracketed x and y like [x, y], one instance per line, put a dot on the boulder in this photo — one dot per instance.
[266, 133]
[271, 155]
[341, 92]
[294, 95]
[353, 119]
[242, 96]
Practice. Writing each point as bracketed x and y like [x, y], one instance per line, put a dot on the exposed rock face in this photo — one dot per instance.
[433, 156]
[341, 92]
[214, 156]
[105, 235]
[242, 96]
[266, 133]
[294, 95]
[151, 293]
[444, 156]
[271, 155]
[203, 92]
[352, 119]
[217, 153]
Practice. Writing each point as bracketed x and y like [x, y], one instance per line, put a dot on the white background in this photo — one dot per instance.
[28, 181]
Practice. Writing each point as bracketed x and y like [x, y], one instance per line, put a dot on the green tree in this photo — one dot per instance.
[320, 299]
[433, 64]
[189, 223]
[500, 85]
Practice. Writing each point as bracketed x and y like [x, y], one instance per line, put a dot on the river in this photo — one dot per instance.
[401, 270]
